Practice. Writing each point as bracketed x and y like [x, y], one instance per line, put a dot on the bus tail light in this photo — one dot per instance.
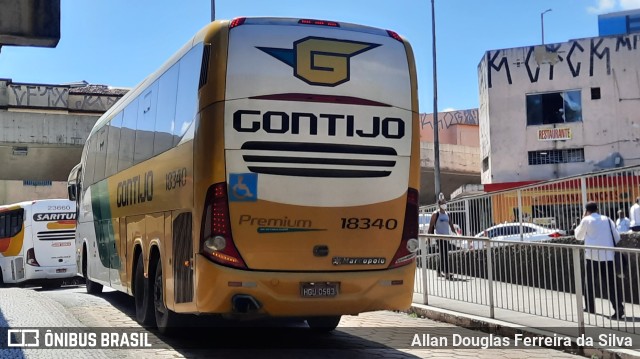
[216, 242]
[31, 258]
[318, 22]
[394, 35]
[237, 22]
[409, 244]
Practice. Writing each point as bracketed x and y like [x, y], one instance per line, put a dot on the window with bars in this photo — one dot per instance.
[554, 107]
[556, 156]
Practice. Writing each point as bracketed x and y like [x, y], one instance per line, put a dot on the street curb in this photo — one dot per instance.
[506, 329]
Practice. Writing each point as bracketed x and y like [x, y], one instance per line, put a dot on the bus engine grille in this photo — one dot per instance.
[328, 160]
[57, 235]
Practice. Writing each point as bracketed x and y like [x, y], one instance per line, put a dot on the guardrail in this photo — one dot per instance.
[543, 279]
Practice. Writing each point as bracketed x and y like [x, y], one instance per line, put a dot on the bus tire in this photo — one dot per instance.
[323, 324]
[142, 295]
[167, 320]
[91, 286]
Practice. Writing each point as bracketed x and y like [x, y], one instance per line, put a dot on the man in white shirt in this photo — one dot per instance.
[634, 216]
[597, 230]
[622, 223]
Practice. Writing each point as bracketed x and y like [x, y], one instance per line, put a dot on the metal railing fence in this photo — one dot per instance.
[551, 207]
[543, 279]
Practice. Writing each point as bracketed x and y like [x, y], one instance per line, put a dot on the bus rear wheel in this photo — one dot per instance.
[92, 287]
[166, 320]
[142, 296]
[323, 324]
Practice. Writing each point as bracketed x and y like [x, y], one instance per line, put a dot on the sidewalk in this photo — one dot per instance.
[26, 308]
[527, 310]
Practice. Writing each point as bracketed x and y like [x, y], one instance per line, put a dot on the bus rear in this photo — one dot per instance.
[317, 213]
[52, 254]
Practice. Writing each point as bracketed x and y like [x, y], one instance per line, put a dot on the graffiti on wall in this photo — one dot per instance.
[576, 58]
[448, 119]
[58, 97]
[92, 102]
[38, 96]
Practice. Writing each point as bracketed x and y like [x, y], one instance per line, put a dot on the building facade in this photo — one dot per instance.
[459, 149]
[560, 109]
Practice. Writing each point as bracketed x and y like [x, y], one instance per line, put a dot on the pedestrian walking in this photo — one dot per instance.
[622, 223]
[441, 224]
[634, 216]
[598, 230]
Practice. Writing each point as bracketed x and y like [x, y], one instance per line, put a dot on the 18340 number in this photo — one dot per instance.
[176, 179]
[367, 223]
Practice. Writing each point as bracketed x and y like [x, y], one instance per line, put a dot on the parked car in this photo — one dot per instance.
[511, 232]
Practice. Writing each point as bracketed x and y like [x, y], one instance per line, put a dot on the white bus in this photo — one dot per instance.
[37, 242]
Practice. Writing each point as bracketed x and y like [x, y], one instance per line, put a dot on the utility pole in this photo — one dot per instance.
[213, 10]
[436, 127]
[542, 23]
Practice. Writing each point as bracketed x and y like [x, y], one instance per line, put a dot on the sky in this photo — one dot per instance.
[119, 42]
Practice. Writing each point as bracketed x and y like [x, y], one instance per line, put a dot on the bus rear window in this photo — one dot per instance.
[11, 223]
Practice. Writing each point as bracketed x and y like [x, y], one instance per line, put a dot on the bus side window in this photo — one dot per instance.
[16, 223]
[72, 191]
[3, 232]
[113, 145]
[127, 136]
[146, 123]
[187, 103]
[167, 92]
[79, 186]
[101, 144]
[90, 161]
[78, 192]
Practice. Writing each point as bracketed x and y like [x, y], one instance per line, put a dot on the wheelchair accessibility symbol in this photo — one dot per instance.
[243, 187]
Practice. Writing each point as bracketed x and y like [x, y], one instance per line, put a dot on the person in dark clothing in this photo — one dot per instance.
[441, 224]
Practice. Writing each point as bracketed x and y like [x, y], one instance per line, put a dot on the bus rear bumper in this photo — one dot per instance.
[278, 294]
[53, 272]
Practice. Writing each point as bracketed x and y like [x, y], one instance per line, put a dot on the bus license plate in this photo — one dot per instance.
[319, 289]
[61, 270]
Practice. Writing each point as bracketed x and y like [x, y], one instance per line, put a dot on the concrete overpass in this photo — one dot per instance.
[30, 23]
[43, 127]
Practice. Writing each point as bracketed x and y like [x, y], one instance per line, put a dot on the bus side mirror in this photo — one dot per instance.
[72, 192]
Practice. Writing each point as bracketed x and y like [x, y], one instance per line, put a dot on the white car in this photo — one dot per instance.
[511, 232]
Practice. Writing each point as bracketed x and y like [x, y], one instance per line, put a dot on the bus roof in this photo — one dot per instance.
[306, 22]
[200, 36]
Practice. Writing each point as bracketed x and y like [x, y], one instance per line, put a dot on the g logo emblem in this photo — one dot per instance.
[320, 61]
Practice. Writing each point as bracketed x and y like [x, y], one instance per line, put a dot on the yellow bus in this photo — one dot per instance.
[269, 168]
[37, 242]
